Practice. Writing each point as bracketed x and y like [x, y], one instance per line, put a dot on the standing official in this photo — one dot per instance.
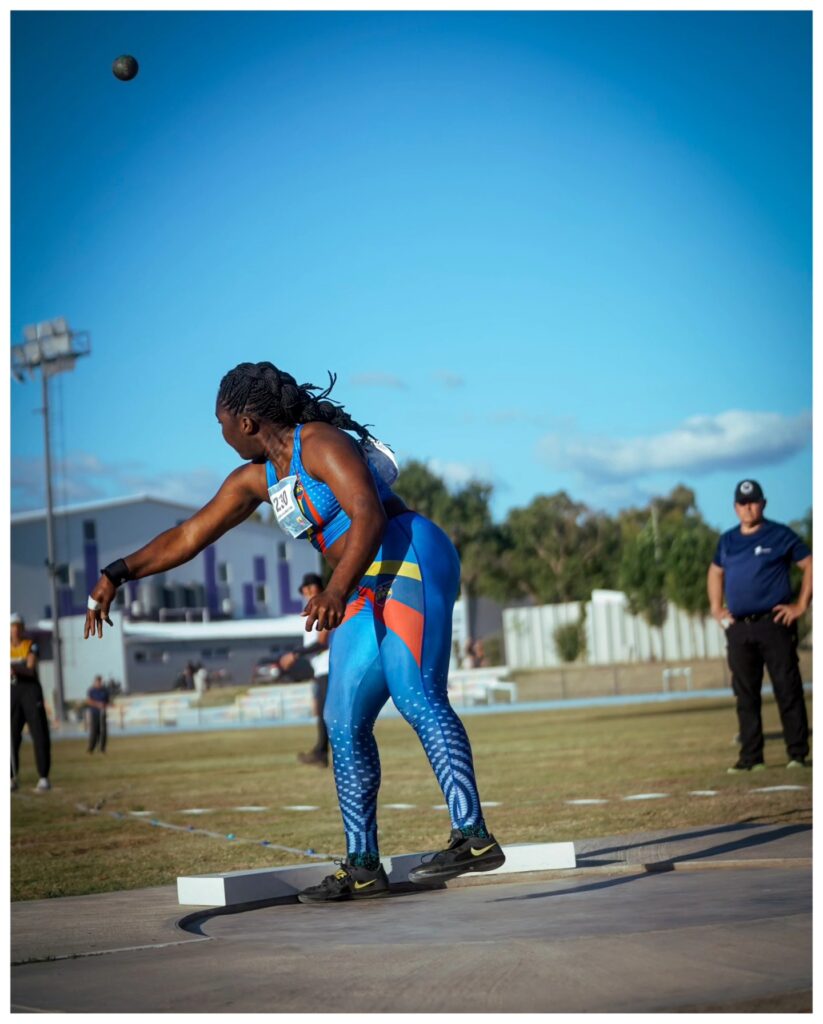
[751, 566]
[27, 706]
[97, 702]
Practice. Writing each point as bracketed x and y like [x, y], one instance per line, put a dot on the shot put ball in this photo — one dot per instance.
[125, 68]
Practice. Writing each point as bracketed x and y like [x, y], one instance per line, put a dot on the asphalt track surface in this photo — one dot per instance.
[714, 918]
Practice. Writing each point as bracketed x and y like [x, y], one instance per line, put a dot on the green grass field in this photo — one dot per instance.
[530, 763]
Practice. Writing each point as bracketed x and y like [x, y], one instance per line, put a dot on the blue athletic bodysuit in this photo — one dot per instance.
[394, 642]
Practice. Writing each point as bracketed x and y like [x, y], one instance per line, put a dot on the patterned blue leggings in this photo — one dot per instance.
[395, 642]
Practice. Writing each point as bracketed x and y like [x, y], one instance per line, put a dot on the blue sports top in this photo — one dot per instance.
[756, 567]
[317, 501]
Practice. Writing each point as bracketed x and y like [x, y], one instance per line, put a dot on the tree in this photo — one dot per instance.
[465, 515]
[558, 550]
[689, 551]
[804, 529]
[642, 577]
[424, 491]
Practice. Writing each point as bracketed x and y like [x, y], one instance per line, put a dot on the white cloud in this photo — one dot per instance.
[83, 476]
[377, 380]
[458, 474]
[701, 444]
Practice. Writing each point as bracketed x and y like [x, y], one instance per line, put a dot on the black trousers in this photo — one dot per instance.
[321, 687]
[750, 646]
[97, 729]
[27, 708]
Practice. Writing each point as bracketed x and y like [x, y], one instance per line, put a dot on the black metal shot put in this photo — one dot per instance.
[125, 68]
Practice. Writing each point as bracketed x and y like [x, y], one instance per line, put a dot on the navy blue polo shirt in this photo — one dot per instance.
[99, 693]
[756, 567]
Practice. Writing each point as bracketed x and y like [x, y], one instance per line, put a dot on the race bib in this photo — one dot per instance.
[288, 515]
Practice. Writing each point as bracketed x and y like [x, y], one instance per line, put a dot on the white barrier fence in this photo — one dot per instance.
[613, 634]
[285, 702]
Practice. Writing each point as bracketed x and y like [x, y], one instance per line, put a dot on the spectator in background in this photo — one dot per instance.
[316, 647]
[27, 706]
[97, 702]
[751, 566]
[475, 656]
[201, 680]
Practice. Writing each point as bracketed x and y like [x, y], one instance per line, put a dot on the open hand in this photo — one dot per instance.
[103, 593]
[327, 610]
[787, 613]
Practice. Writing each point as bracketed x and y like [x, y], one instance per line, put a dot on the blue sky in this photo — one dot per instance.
[552, 250]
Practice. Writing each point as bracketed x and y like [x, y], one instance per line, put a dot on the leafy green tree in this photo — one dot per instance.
[558, 550]
[424, 491]
[642, 576]
[804, 529]
[688, 553]
[465, 515]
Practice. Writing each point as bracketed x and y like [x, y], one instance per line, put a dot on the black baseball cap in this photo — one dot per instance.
[311, 579]
[747, 491]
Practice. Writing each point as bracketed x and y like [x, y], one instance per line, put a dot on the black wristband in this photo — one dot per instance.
[117, 572]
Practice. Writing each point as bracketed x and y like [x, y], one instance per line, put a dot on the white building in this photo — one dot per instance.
[251, 572]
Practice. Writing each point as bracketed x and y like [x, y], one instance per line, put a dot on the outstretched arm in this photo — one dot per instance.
[241, 493]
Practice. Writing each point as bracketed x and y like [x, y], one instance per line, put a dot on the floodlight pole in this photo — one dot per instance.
[51, 565]
[53, 347]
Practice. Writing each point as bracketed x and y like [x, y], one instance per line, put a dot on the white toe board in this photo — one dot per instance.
[232, 887]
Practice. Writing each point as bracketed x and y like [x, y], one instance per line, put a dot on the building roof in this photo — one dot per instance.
[95, 506]
[228, 629]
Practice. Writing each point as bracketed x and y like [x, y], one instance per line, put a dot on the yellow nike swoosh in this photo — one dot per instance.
[365, 885]
[478, 853]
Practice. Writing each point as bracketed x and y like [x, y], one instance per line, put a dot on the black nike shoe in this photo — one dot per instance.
[462, 855]
[349, 883]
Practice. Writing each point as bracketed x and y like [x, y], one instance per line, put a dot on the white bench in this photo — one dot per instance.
[278, 702]
[674, 673]
[480, 685]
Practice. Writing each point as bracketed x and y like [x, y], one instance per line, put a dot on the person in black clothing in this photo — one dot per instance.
[97, 702]
[751, 565]
[316, 646]
[27, 706]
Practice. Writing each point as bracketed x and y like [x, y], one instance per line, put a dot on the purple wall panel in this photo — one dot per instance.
[210, 560]
[91, 564]
[259, 569]
[65, 601]
[248, 600]
[289, 605]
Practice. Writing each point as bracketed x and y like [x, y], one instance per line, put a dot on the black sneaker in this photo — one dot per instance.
[460, 856]
[349, 883]
[742, 766]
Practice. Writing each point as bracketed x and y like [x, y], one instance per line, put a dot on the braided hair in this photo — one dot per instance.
[263, 391]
